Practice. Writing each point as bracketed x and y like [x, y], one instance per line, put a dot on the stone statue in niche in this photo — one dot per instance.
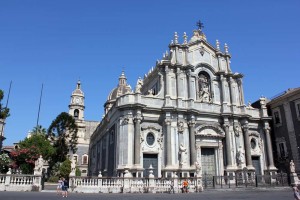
[139, 85]
[292, 167]
[240, 158]
[182, 153]
[204, 89]
[237, 129]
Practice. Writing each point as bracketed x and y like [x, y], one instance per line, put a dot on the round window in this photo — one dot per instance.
[150, 139]
[253, 143]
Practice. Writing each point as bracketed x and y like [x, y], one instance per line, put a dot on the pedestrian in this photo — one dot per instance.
[59, 186]
[65, 187]
[296, 192]
[185, 187]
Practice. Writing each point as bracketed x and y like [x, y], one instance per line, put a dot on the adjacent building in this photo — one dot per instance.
[186, 117]
[85, 129]
[285, 110]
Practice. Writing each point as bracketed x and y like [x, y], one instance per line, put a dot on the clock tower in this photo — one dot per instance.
[76, 107]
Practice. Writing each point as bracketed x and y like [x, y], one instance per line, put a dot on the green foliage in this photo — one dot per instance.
[53, 179]
[4, 112]
[65, 168]
[77, 172]
[5, 161]
[24, 159]
[39, 140]
[63, 133]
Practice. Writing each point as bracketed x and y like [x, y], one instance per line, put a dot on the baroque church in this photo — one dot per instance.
[85, 129]
[186, 117]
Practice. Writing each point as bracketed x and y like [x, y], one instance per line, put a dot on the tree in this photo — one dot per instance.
[65, 168]
[24, 159]
[5, 161]
[39, 140]
[63, 133]
[4, 111]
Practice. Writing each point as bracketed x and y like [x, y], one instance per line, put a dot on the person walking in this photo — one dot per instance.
[59, 186]
[65, 188]
[185, 185]
[296, 192]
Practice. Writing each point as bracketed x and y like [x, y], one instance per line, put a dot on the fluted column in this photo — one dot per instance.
[168, 142]
[232, 92]
[241, 91]
[137, 144]
[223, 80]
[190, 89]
[167, 81]
[269, 148]
[192, 142]
[247, 146]
[228, 145]
[179, 86]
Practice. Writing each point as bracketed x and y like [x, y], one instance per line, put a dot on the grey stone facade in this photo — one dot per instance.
[186, 117]
[285, 111]
[85, 129]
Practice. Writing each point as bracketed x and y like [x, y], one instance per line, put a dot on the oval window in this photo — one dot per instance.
[150, 139]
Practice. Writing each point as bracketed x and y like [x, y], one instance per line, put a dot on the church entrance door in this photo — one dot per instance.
[256, 165]
[150, 159]
[208, 161]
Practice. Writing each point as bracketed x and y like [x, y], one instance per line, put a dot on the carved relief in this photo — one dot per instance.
[214, 127]
[180, 126]
[240, 157]
[125, 121]
[160, 141]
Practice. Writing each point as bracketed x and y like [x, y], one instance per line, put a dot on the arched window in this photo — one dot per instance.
[84, 159]
[76, 113]
[204, 93]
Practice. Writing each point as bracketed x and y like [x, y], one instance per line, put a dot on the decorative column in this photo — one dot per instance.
[269, 148]
[228, 145]
[179, 86]
[247, 146]
[167, 81]
[168, 142]
[193, 152]
[223, 80]
[232, 92]
[137, 144]
[240, 85]
[190, 88]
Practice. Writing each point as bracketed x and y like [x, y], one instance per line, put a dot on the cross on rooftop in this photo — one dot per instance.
[200, 25]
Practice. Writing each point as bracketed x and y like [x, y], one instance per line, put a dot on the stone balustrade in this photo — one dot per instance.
[20, 182]
[131, 185]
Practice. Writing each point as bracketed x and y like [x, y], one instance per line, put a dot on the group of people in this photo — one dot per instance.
[62, 187]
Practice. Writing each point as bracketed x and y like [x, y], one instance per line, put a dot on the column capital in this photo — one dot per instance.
[226, 125]
[267, 129]
[168, 121]
[245, 127]
[191, 123]
[137, 119]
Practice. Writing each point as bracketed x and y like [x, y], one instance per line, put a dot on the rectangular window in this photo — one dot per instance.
[85, 160]
[281, 150]
[298, 108]
[277, 118]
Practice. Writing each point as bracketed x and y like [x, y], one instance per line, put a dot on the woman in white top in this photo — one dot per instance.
[59, 186]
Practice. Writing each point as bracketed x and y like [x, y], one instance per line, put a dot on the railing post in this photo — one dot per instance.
[256, 181]
[151, 180]
[8, 177]
[127, 176]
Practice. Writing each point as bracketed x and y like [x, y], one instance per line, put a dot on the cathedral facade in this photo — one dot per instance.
[186, 117]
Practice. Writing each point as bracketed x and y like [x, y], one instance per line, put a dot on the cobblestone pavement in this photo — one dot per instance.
[255, 194]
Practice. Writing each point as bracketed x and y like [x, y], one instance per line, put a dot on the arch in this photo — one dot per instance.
[216, 128]
[76, 113]
[205, 67]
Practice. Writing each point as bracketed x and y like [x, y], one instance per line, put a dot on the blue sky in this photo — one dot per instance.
[57, 42]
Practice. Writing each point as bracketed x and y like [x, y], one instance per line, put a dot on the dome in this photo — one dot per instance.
[121, 89]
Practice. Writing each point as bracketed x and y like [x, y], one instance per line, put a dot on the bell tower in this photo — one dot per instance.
[76, 107]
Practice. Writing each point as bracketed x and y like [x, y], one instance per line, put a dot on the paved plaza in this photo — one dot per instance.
[257, 194]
